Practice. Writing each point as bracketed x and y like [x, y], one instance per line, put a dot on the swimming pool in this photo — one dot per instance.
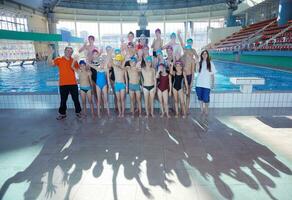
[33, 78]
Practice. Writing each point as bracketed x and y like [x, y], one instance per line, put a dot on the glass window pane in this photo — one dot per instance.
[84, 29]
[66, 25]
[110, 34]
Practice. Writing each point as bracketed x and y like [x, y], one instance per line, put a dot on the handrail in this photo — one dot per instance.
[247, 40]
[275, 36]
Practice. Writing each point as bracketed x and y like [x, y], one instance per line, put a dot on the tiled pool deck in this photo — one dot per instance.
[233, 154]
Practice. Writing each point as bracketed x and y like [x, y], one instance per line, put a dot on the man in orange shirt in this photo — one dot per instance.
[67, 81]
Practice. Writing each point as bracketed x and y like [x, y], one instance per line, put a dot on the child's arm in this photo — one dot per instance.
[83, 47]
[108, 78]
[74, 62]
[180, 39]
[89, 77]
[152, 45]
[186, 82]
[126, 80]
[50, 60]
[170, 84]
[154, 79]
[165, 46]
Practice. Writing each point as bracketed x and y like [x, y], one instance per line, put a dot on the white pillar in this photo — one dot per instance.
[99, 38]
[164, 29]
[75, 24]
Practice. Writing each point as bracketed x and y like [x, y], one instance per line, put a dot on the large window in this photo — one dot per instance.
[127, 27]
[10, 22]
[84, 29]
[66, 25]
[173, 27]
[110, 34]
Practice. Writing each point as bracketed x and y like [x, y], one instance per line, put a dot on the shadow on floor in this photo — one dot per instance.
[167, 147]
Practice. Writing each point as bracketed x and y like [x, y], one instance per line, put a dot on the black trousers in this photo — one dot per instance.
[65, 90]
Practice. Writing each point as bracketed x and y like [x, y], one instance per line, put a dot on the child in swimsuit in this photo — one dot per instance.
[149, 85]
[163, 84]
[134, 75]
[179, 81]
[85, 84]
[121, 83]
[102, 84]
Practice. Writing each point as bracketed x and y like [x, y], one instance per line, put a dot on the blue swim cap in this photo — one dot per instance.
[133, 59]
[158, 52]
[188, 47]
[173, 35]
[148, 59]
[190, 40]
[82, 62]
[108, 47]
[117, 51]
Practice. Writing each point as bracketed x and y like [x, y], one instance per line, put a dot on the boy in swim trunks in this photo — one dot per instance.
[188, 45]
[121, 82]
[85, 84]
[149, 85]
[189, 70]
[157, 44]
[134, 73]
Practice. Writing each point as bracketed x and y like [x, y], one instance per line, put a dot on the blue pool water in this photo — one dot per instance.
[33, 78]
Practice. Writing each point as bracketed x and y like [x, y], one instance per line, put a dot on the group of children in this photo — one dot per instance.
[131, 69]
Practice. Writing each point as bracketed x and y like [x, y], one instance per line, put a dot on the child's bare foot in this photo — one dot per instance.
[161, 115]
[167, 115]
[152, 115]
[184, 116]
[133, 115]
[176, 116]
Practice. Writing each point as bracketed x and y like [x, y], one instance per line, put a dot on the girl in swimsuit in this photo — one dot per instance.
[179, 81]
[149, 84]
[163, 84]
[85, 84]
[102, 84]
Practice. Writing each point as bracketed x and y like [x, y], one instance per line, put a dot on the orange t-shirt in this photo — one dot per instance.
[66, 73]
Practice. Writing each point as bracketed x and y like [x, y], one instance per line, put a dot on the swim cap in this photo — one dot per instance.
[91, 36]
[169, 47]
[117, 51]
[108, 47]
[179, 62]
[82, 62]
[159, 52]
[148, 58]
[119, 57]
[173, 35]
[158, 30]
[133, 59]
[190, 40]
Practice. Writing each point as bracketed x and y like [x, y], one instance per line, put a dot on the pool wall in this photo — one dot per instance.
[218, 100]
[275, 59]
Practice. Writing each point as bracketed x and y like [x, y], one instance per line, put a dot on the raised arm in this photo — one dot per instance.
[75, 59]
[83, 47]
[50, 60]
[180, 39]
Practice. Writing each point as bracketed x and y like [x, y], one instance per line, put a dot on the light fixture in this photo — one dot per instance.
[142, 1]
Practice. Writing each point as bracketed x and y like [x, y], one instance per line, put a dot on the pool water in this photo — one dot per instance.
[31, 78]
